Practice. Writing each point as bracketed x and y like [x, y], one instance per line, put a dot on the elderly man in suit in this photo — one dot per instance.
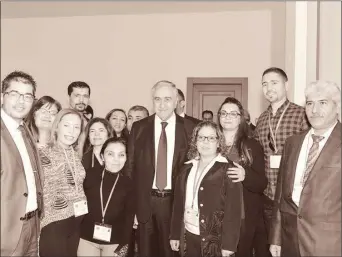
[21, 178]
[156, 150]
[307, 212]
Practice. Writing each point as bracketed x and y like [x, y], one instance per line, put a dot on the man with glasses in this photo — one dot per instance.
[21, 174]
[281, 120]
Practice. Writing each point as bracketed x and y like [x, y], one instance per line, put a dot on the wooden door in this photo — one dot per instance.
[209, 93]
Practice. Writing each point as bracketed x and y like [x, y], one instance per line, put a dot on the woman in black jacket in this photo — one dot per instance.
[248, 156]
[106, 229]
[207, 208]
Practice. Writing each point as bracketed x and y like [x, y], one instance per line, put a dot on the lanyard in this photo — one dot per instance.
[72, 169]
[109, 197]
[274, 135]
[197, 182]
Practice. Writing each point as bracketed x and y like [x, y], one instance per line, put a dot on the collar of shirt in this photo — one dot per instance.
[171, 120]
[218, 158]
[326, 134]
[280, 109]
[10, 123]
[182, 114]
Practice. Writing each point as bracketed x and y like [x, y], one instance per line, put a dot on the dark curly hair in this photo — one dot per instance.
[193, 152]
[242, 133]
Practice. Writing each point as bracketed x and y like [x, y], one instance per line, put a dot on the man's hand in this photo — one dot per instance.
[174, 245]
[226, 253]
[275, 250]
[237, 174]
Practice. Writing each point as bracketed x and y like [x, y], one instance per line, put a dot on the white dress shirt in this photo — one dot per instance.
[302, 159]
[170, 137]
[192, 186]
[182, 114]
[13, 128]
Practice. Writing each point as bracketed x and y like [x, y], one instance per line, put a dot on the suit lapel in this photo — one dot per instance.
[295, 148]
[11, 144]
[179, 135]
[150, 142]
[333, 142]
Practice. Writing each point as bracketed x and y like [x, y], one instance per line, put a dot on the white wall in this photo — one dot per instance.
[330, 41]
[122, 56]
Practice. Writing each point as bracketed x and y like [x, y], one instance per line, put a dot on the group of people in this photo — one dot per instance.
[77, 185]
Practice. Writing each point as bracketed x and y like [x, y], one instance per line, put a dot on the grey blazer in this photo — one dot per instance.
[14, 189]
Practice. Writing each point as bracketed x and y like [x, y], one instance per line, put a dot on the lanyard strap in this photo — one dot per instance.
[197, 182]
[73, 170]
[109, 197]
[274, 135]
[92, 159]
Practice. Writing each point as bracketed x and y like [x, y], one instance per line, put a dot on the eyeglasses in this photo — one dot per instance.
[15, 95]
[211, 139]
[224, 114]
[46, 111]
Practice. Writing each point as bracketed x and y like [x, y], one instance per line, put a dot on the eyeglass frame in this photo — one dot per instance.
[208, 138]
[18, 95]
[232, 114]
[46, 111]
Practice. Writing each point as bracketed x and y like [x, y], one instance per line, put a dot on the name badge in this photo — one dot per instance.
[191, 217]
[80, 208]
[102, 232]
[275, 161]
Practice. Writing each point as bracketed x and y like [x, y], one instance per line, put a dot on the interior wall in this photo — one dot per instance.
[122, 56]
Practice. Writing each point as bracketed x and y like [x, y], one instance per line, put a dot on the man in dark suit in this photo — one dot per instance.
[21, 174]
[307, 212]
[181, 106]
[157, 148]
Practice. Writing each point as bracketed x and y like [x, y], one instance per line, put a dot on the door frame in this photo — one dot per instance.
[192, 81]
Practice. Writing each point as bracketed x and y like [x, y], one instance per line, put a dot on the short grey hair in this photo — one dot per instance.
[328, 87]
[165, 83]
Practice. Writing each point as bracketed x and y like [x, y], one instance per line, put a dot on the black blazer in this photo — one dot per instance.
[254, 184]
[141, 159]
[192, 119]
[220, 208]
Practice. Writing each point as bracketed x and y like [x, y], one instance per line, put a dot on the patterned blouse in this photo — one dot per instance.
[63, 182]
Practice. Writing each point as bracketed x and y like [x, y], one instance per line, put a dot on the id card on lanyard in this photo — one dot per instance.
[80, 207]
[276, 157]
[103, 231]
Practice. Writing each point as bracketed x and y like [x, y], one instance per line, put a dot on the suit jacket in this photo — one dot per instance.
[141, 159]
[14, 189]
[192, 119]
[315, 225]
[220, 210]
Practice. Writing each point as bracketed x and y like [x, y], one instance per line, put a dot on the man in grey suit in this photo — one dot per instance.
[307, 212]
[21, 178]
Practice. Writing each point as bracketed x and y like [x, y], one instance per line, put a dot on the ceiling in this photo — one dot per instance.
[27, 9]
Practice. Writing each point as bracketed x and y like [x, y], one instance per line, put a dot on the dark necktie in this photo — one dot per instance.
[312, 157]
[161, 172]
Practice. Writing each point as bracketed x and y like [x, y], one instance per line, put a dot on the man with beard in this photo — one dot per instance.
[79, 94]
[281, 120]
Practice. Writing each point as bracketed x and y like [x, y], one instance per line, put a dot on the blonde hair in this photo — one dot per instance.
[58, 119]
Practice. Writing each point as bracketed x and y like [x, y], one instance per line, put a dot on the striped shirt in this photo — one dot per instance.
[293, 122]
[60, 186]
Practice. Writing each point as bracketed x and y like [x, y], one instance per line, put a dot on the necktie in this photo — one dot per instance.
[161, 172]
[312, 157]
